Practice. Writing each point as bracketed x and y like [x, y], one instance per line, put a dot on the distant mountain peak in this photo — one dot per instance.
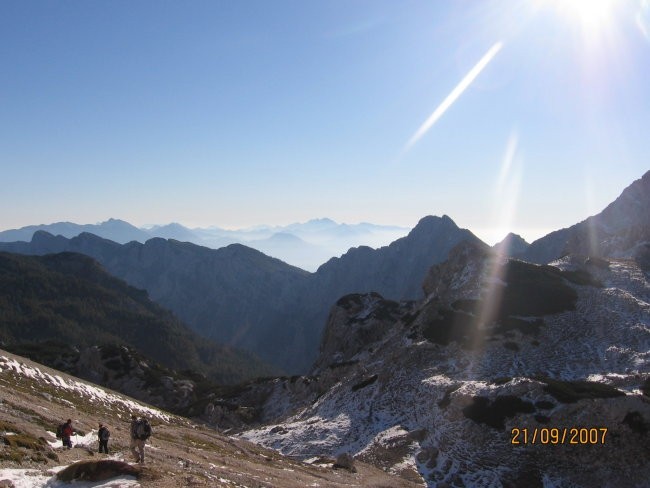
[512, 245]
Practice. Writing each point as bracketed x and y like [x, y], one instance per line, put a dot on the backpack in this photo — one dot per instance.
[59, 431]
[143, 429]
[105, 434]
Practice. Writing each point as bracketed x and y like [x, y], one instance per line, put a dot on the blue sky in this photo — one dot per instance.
[236, 113]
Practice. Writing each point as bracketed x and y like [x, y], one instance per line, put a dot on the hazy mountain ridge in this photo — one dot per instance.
[313, 241]
[616, 231]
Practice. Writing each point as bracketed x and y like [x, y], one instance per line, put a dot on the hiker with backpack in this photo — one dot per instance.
[64, 431]
[103, 434]
[140, 432]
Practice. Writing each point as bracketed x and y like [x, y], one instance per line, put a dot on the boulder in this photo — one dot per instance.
[96, 470]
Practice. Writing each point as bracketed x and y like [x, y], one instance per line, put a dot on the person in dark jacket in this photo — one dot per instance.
[102, 435]
[67, 434]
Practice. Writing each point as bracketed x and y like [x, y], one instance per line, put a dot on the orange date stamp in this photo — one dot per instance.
[552, 436]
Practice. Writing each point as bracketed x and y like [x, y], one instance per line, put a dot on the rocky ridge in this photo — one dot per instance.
[242, 298]
[497, 345]
[618, 230]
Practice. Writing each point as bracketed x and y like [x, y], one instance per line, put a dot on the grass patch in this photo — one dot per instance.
[25, 441]
[12, 455]
[573, 391]
[8, 427]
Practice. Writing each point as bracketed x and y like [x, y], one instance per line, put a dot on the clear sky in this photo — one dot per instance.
[505, 115]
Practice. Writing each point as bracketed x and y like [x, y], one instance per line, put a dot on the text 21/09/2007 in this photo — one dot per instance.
[555, 436]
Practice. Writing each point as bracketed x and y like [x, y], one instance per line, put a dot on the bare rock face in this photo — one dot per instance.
[356, 322]
[445, 392]
[96, 470]
[460, 276]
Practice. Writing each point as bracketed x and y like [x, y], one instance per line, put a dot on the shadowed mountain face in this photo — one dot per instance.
[616, 231]
[241, 297]
[398, 270]
[70, 299]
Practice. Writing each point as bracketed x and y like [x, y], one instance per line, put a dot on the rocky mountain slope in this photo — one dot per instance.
[241, 297]
[508, 374]
[617, 231]
[35, 399]
[70, 299]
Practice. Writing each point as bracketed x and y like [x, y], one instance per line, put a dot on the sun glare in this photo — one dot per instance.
[592, 15]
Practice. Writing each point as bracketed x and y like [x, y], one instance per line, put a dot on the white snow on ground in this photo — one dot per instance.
[94, 394]
[31, 478]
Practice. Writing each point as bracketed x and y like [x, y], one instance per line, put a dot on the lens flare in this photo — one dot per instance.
[643, 18]
[455, 93]
[507, 196]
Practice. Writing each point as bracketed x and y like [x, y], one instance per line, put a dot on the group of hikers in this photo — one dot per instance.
[140, 432]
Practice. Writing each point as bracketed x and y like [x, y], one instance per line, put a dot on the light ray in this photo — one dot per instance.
[507, 189]
[643, 18]
[455, 93]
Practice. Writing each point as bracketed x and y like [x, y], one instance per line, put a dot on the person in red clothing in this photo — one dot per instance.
[67, 434]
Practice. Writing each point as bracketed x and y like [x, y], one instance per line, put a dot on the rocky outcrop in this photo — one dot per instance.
[454, 390]
[99, 470]
[356, 323]
[460, 276]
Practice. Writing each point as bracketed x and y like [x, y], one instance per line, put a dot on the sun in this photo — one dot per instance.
[593, 16]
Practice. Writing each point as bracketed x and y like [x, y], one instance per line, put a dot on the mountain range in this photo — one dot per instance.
[306, 245]
[245, 299]
[241, 297]
[437, 358]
